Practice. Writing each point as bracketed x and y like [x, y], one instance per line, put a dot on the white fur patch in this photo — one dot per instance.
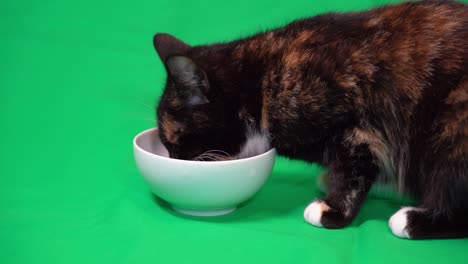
[313, 213]
[349, 202]
[399, 221]
[256, 144]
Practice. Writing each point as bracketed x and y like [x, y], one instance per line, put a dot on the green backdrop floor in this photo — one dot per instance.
[79, 79]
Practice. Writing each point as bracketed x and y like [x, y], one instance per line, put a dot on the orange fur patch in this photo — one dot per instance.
[171, 128]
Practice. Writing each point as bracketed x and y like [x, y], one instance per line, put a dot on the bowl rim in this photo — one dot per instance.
[136, 146]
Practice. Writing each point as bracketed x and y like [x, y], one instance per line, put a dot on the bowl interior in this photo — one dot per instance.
[150, 142]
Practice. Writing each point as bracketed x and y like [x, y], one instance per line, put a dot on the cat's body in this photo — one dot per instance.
[382, 92]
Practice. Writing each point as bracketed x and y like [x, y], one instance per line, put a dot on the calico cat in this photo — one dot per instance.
[381, 93]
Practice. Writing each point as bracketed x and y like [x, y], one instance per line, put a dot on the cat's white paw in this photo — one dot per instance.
[313, 213]
[398, 223]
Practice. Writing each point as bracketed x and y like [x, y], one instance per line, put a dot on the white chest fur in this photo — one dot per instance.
[255, 144]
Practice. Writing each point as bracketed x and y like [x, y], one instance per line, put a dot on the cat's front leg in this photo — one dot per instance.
[351, 176]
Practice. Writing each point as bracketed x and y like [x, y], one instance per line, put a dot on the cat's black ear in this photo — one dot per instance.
[190, 79]
[167, 45]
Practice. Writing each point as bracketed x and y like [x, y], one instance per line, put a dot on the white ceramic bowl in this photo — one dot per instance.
[202, 188]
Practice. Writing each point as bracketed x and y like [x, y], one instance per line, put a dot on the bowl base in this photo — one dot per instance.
[205, 213]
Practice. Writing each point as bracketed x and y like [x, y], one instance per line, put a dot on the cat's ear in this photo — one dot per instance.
[191, 80]
[167, 45]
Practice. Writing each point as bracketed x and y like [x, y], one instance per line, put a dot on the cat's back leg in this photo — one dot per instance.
[443, 182]
[443, 212]
[422, 223]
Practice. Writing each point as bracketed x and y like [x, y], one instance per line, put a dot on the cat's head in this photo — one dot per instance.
[197, 115]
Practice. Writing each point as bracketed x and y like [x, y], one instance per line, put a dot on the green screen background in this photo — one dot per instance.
[80, 78]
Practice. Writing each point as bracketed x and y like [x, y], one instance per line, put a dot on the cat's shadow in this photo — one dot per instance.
[286, 194]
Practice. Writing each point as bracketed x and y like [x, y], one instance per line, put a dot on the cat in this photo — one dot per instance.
[381, 93]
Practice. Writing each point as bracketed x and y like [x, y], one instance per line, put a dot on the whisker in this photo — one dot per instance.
[205, 158]
[217, 151]
[146, 105]
[212, 155]
[150, 119]
[215, 157]
[162, 125]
